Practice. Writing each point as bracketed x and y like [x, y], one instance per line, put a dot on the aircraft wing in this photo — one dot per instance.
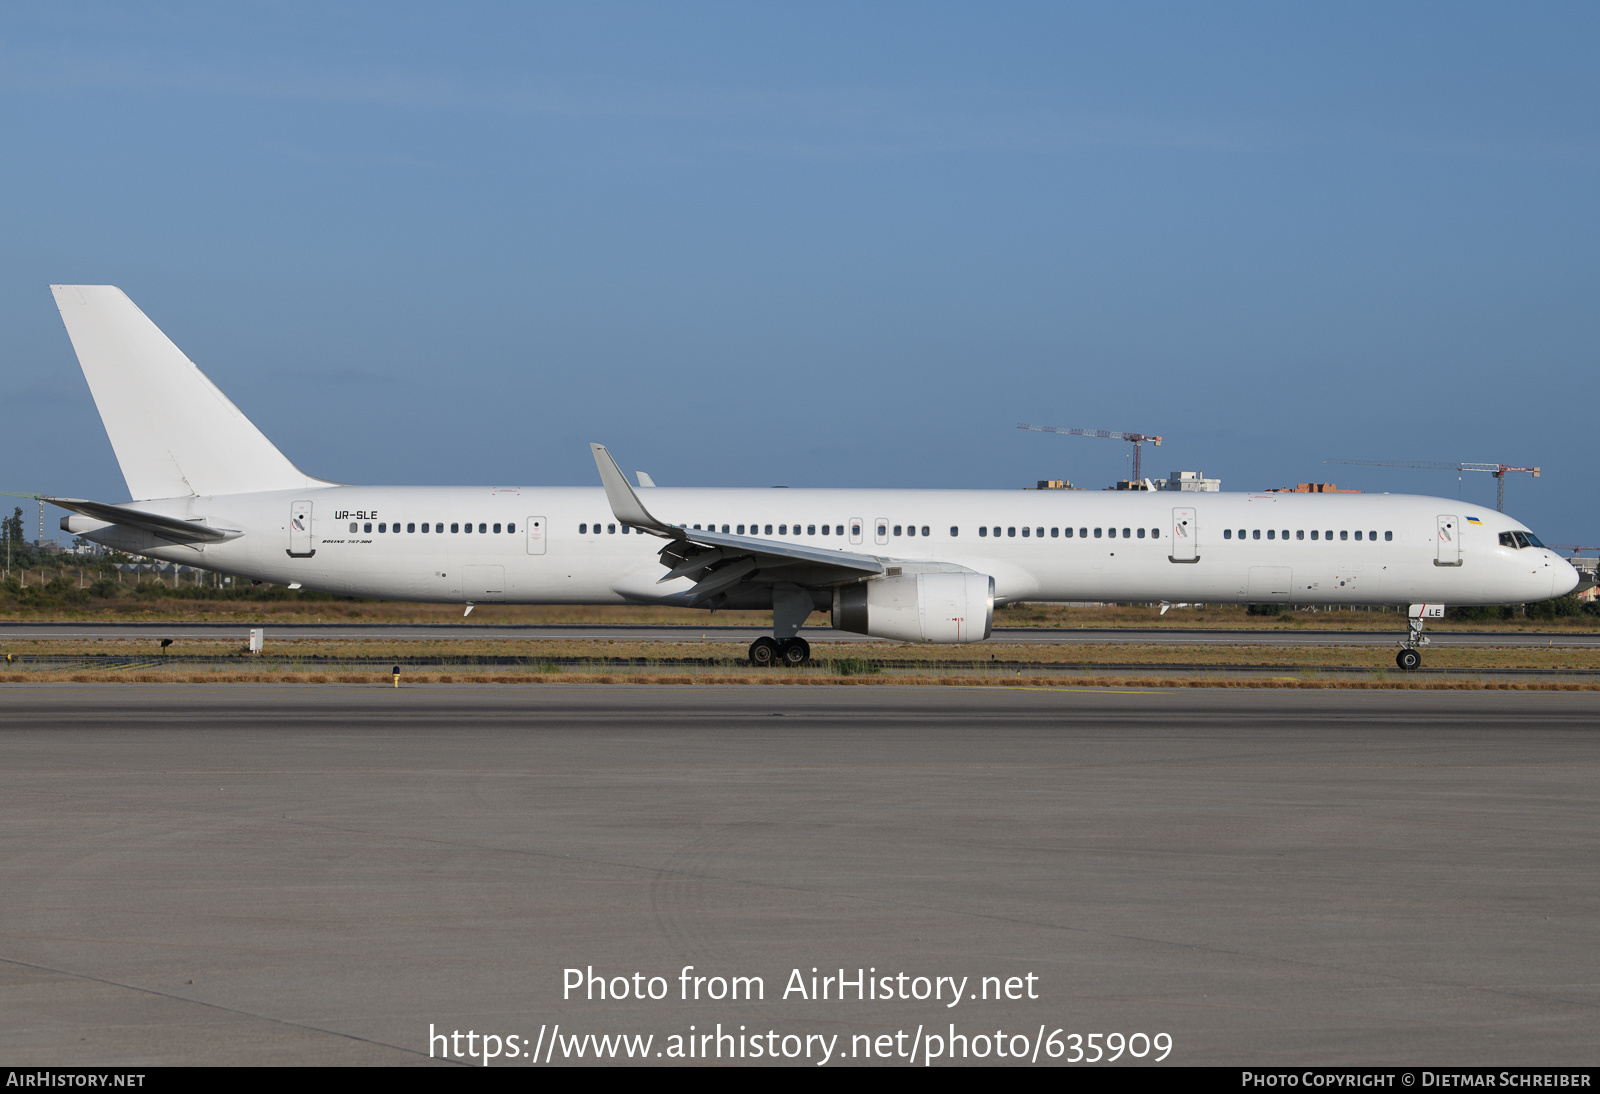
[168, 528]
[717, 561]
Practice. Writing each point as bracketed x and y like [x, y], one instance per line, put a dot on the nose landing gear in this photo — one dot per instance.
[1416, 618]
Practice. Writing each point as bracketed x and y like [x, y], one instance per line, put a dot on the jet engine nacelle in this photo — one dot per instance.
[945, 607]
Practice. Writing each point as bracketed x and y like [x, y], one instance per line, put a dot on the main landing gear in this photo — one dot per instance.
[765, 652]
[1408, 658]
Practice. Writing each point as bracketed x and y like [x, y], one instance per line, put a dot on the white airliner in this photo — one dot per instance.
[209, 490]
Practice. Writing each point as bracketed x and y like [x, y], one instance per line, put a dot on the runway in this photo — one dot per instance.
[305, 874]
[391, 632]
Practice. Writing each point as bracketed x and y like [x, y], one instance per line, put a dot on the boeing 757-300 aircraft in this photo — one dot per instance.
[209, 490]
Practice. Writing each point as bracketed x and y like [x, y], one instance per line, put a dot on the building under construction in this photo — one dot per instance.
[1310, 488]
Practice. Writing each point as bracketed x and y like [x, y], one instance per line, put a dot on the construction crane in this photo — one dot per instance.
[1138, 440]
[1498, 470]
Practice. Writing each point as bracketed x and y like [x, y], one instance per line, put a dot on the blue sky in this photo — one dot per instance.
[822, 244]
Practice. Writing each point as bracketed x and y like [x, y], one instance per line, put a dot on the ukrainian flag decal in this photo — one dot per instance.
[1474, 520]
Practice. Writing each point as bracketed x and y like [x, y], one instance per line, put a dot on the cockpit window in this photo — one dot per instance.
[1533, 540]
[1519, 539]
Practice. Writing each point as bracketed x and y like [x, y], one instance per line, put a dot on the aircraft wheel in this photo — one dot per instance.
[796, 652]
[763, 652]
[1408, 659]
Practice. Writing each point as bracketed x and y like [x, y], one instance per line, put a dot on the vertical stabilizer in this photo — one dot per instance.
[174, 433]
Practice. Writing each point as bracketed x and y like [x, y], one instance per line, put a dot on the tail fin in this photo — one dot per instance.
[174, 433]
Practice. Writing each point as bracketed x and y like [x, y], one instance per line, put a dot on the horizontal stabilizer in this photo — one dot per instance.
[167, 528]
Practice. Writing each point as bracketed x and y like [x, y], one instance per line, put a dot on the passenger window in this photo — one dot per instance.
[724, 527]
[1067, 532]
[413, 527]
[897, 529]
[997, 532]
[1313, 533]
[855, 530]
[1083, 533]
[1026, 532]
[1111, 532]
[367, 528]
[424, 529]
[1358, 535]
[1155, 533]
[783, 529]
[352, 527]
[811, 529]
[1388, 536]
[453, 528]
[924, 529]
[482, 528]
[497, 529]
[1286, 533]
[1097, 533]
[1300, 533]
[741, 529]
[383, 528]
[956, 531]
[1241, 533]
[1344, 535]
[983, 529]
[825, 529]
[1372, 536]
[1055, 533]
[1255, 533]
[838, 530]
[612, 528]
[1328, 534]
[467, 528]
[1011, 532]
[1141, 533]
[1271, 534]
[512, 528]
[768, 532]
[1125, 533]
[1227, 533]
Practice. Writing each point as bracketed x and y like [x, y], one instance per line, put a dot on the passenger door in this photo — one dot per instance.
[1185, 547]
[536, 535]
[300, 530]
[1448, 543]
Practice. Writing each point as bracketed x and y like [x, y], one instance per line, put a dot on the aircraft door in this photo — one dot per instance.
[300, 530]
[484, 584]
[1448, 543]
[856, 524]
[880, 533]
[536, 535]
[1185, 541]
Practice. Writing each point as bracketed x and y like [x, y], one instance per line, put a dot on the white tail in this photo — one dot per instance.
[174, 433]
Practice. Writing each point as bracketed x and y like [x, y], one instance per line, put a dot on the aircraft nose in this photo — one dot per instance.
[1563, 578]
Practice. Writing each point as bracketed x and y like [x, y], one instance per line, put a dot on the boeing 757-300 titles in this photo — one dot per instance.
[209, 490]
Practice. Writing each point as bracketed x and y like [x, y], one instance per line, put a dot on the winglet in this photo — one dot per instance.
[625, 504]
